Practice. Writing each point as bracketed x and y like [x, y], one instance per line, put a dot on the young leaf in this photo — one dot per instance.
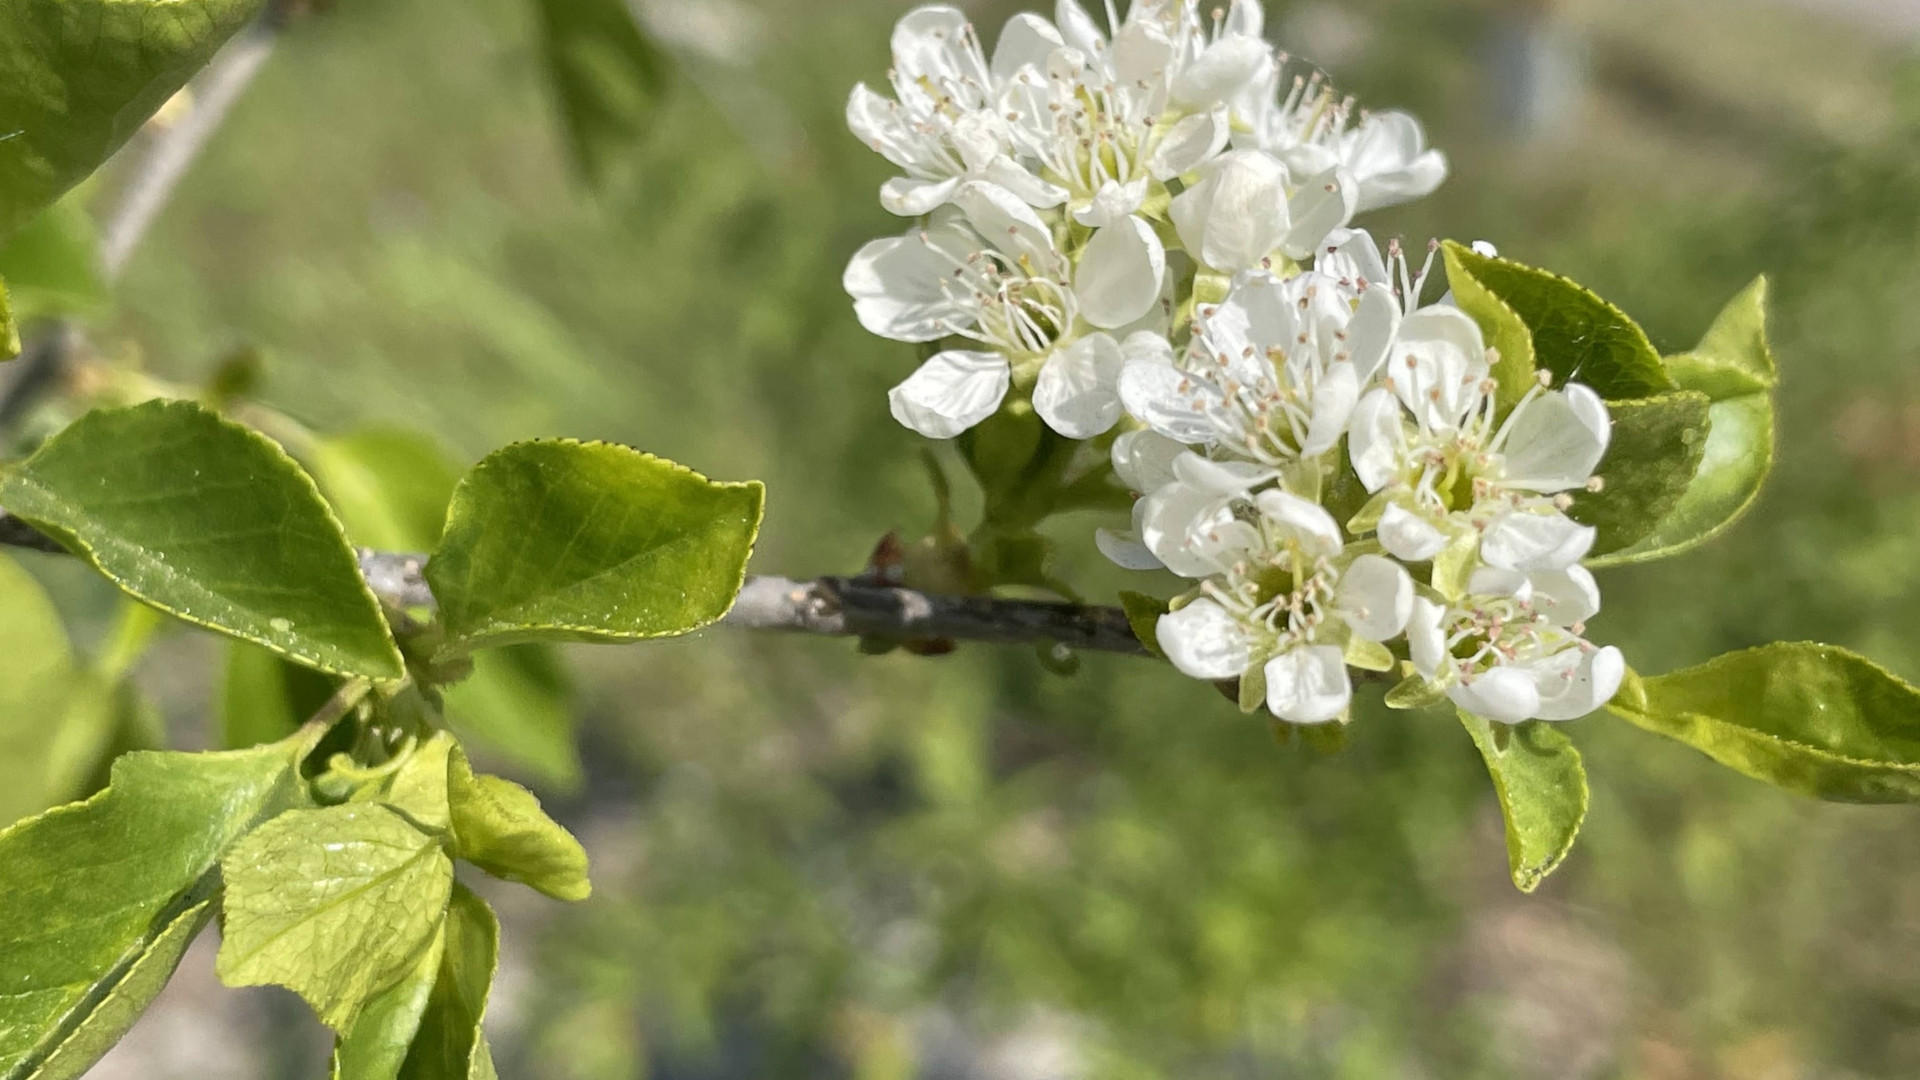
[1576, 335]
[336, 904]
[608, 77]
[212, 523]
[1542, 789]
[1813, 719]
[78, 78]
[9, 333]
[561, 540]
[34, 691]
[419, 788]
[1143, 615]
[376, 1046]
[499, 827]
[390, 487]
[52, 265]
[1733, 365]
[91, 894]
[1655, 452]
[449, 1045]
[1505, 332]
[518, 704]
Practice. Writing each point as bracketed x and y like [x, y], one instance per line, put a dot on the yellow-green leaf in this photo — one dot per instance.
[1542, 788]
[1506, 333]
[1650, 464]
[499, 827]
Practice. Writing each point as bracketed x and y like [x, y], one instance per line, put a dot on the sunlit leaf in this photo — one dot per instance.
[1813, 719]
[560, 540]
[336, 904]
[450, 1045]
[1505, 331]
[1542, 788]
[52, 264]
[34, 692]
[499, 827]
[376, 1046]
[79, 77]
[1655, 452]
[210, 522]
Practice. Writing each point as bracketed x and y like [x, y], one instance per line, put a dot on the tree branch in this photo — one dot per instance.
[828, 606]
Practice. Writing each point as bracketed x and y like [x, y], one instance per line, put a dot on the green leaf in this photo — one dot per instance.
[264, 698]
[9, 331]
[450, 1045]
[608, 77]
[1656, 450]
[52, 265]
[419, 788]
[34, 692]
[212, 523]
[1576, 335]
[79, 77]
[376, 1046]
[518, 704]
[390, 487]
[1414, 692]
[1542, 789]
[335, 904]
[1733, 365]
[91, 894]
[1504, 330]
[561, 540]
[1813, 719]
[1143, 614]
[499, 827]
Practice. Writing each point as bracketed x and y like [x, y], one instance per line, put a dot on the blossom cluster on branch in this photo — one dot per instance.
[1142, 233]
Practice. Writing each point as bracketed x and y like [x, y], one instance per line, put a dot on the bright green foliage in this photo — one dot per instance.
[79, 77]
[335, 904]
[211, 522]
[33, 692]
[9, 332]
[52, 265]
[518, 703]
[449, 1045]
[562, 540]
[499, 827]
[418, 788]
[377, 1044]
[1576, 335]
[1143, 614]
[607, 76]
[88, 892]
[1813, 719]
[264, 698]
[1733, 365]
[1655, 452]
[1505, 332]
[1543, 793]
[390, 487]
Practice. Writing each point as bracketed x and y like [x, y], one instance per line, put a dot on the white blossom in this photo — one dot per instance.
[1512, 649]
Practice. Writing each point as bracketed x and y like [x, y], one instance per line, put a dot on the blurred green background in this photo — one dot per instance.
[811, 863]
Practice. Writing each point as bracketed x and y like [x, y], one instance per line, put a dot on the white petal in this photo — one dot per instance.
[1113, 203]
[1321, 205]
[908, 197]
[1189, 144]
[1408, 536]
[1438, 362]
[1388, 156]
[1333, 401]
[1426, 638]
[1219, 478]
[1579, 682]
[1533, 542]
[951, 392]
[1026, 41]
[1119, 275]
[1351, 256]
[1556, 440]
[1493, 581]
[1141, 54]
[899, 286]
[1028, 188]
[1143, 460]
[1237, 214]
[1151, 393]
[1566, 597]
[876, 121]
[1125, 550]
[1203, 641]
[1078, 28]
[1309, 685]
[1246, 17]
[1225, 70]
[1376, 319]
[1375, 439]
[1308, 522]
[1503, 695]
[1375, 595]
[936, 44]
[1078, 392]
[1007, 221]
[1172, 518]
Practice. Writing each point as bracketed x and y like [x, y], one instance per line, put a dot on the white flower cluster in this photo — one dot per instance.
[1117, 224]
